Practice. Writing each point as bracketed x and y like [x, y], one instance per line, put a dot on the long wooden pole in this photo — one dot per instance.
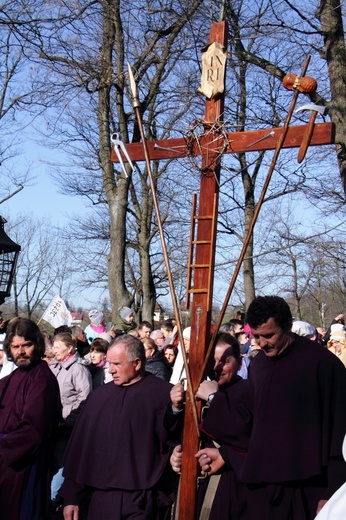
[136, 106]
[204, 260]
[254, 218]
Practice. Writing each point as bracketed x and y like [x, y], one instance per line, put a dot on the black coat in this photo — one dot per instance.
[120, 439]
[298, 430]
[158, 366]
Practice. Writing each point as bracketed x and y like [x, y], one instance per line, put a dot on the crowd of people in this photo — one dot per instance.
[91, 420]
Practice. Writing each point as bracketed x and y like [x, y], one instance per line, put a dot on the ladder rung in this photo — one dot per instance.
[197, 242]
[199, 265]
[203, 217]
[198, 291]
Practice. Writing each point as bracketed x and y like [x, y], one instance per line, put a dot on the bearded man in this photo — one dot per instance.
[29, 415]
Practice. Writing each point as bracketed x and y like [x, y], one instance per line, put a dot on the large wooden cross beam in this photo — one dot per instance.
[238, 142]
[210, 146]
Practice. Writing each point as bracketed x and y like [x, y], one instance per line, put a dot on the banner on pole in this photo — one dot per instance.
[57, 313]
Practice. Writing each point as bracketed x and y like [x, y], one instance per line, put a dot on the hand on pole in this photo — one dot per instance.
[176, 459]
[206, 388]
[177, 397]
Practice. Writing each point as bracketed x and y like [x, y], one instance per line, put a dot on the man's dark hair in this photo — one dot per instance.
[264, 307]
[229, 326]
[168, 325]
[233, 345]
[235, 321]
[28, 330]
[144, 324]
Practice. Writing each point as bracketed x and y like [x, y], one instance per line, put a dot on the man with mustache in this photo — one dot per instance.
[294, 461]
[29, 415]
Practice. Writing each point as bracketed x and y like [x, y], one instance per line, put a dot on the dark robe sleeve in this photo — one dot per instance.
[229, 418]
[72, 492]
[229, 422]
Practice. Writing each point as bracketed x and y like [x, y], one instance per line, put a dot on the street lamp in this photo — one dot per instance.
[9, 252]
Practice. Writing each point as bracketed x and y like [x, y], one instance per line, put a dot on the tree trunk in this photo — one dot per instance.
[248, 268]
[116, 193]
[330, 16]
[148, 288]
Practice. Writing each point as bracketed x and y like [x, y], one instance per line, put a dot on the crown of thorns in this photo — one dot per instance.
[209, 139]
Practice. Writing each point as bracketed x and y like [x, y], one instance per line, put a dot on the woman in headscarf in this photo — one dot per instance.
[96, 326]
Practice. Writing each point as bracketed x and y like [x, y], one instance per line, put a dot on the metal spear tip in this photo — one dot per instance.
[135, 100]
[311, 106]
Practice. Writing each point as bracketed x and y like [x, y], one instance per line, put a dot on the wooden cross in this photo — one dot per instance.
[210, 146]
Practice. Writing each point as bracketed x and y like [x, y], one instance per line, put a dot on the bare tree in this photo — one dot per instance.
[81, 53]
[92, 69]
[265, 44]
[308, 268]
[315, 28]
[16, 99]
[43, 267]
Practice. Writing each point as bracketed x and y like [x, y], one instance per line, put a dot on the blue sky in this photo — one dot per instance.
[42, 199]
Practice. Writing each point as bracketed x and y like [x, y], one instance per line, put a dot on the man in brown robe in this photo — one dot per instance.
[29, 414]
[294, 461]
[119, 448]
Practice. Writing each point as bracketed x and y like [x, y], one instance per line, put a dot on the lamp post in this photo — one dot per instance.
[9, 252]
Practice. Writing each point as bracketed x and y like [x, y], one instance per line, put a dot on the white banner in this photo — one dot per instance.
[57, 313]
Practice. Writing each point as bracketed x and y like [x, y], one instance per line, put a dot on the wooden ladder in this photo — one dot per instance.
[209, 231]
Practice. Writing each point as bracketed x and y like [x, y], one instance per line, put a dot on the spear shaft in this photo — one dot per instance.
[136, 105]
[254, 219]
